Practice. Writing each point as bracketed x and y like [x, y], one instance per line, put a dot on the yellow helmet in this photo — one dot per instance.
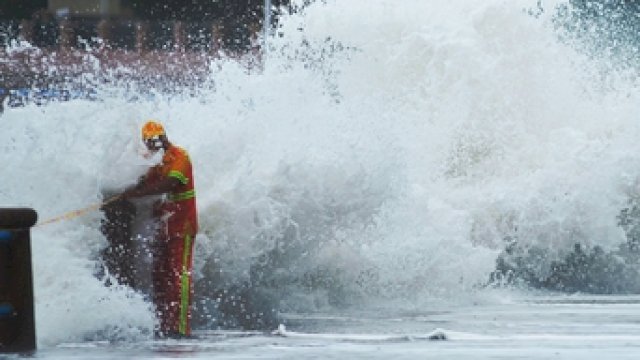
[152, 129]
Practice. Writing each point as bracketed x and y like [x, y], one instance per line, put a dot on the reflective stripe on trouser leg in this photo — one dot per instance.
[185, 286]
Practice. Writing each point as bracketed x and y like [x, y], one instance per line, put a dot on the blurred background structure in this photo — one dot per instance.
[230, 23]
[44, 43]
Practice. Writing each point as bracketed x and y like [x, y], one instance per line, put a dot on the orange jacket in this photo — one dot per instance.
[177, 164]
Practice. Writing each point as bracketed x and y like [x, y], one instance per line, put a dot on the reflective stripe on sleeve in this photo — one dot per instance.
[182, 196]
[178, 175]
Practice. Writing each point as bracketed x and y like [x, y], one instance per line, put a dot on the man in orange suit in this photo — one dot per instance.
[178, 225]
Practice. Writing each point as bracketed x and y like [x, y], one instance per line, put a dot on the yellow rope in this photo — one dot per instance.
[76, 213]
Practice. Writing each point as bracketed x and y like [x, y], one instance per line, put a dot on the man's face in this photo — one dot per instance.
[153, 144]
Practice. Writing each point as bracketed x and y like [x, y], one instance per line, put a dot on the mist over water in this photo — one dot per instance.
[384, 153]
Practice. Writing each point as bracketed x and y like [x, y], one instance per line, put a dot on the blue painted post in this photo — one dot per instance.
[17, 323]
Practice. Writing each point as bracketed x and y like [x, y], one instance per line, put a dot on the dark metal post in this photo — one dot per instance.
[142, 36]
[179, 36]
[104, 31]
[66, 34]
[26, 31]
[17, 323]
[217, 37]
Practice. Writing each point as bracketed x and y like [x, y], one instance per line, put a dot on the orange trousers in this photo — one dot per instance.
[173, 266]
